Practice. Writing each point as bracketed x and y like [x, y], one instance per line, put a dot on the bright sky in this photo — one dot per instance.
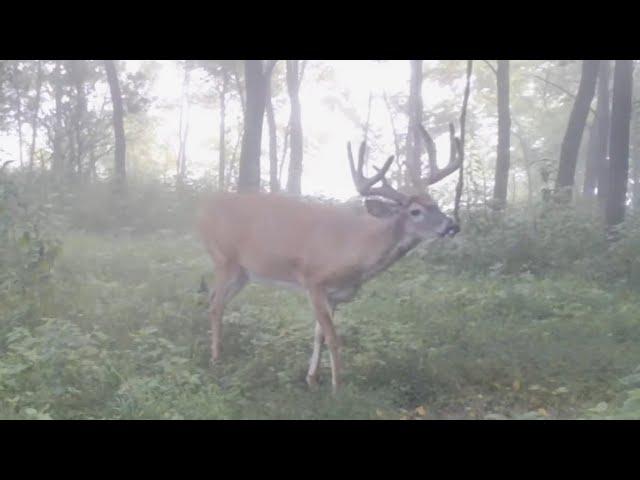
[327, 130]
[325, 167]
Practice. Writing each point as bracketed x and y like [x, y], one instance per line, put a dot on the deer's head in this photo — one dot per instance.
[419, 214]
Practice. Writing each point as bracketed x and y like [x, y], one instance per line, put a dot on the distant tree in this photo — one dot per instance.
[596, 166]
[35, 112]
[224, 87]
[619, 141]
[414, 140]
[294, 76]
[575, 128]
[181, 162]
[120, 174]
[504, 134]
[256, 78]
[274, 183]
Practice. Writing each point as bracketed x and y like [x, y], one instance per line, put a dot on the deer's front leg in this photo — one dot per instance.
[229, 281]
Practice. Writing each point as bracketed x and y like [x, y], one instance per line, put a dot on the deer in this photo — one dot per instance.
[324, 250]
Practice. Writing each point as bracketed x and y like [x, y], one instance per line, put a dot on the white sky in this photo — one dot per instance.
[325, 168]
[326, 130]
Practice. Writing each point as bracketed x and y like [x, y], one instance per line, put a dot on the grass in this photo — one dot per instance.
[122, 332]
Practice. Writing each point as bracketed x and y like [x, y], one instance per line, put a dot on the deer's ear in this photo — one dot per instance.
[380, 209]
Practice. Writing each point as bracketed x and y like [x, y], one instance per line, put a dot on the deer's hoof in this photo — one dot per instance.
[312, 382]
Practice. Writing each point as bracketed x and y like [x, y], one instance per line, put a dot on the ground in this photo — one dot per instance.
[123, 333]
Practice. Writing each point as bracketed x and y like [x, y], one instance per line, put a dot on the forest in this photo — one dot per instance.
[530, 311]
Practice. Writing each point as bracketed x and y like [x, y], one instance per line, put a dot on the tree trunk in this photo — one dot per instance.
[414, 141]
[77, 72]
[274, 185]
[294, 182]
[596, 167]
[604, 125]
[635, 158]
[181, 167]
[19, 121]
[504, 135]
[619, 141]
[636, 177]
[57, 158]
[34, 119]
[222, 147]
[120, 173]
[575, 127]
[255, 84]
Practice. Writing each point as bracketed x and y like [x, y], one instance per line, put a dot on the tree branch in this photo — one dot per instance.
[463, 121]
[561, 88]
[495, 72]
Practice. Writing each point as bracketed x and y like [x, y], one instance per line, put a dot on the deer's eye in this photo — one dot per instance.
[415, 212]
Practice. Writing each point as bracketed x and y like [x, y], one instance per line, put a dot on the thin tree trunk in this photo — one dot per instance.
[604, 125]
[58, 158]
[598, 150]
[526, 157]
[19, 120]
[184, 128]
[118, 127]
[504, 135]
[232, 162]
[619, 141]
[222, 147]
[414, 141]
[34, 119]
[575, 128]
[255, 82]
[285, 145]
[636, 178]
[294, 181]
[274, 185]
[77, 72]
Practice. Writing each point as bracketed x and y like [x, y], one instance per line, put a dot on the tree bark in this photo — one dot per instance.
[222, 146]
[598, 150]
[504, 135]
[274, 184]
[414, 141]
[34, 118]
[575, 128]
[120, 173]
[19, 121]
[57, 158]
[619, 141]
[77, 73]
[294, 181]
[181, 167]
[256, 89]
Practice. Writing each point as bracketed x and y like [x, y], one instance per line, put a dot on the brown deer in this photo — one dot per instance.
[325, 250]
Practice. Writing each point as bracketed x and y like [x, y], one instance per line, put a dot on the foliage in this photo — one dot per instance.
[497, 323]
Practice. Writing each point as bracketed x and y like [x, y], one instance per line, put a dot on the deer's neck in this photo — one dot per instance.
[395, 244]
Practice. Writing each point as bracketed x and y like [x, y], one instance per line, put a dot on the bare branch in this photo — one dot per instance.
[561, 88]
[495, 72]
[463, 121]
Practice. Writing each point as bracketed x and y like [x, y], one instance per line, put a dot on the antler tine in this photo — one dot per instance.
[455, 159]
[364, 185]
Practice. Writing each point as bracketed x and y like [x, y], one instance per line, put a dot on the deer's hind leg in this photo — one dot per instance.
[230, 279]
[323, 311]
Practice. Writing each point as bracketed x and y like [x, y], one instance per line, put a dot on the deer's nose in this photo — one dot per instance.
[449, 228]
